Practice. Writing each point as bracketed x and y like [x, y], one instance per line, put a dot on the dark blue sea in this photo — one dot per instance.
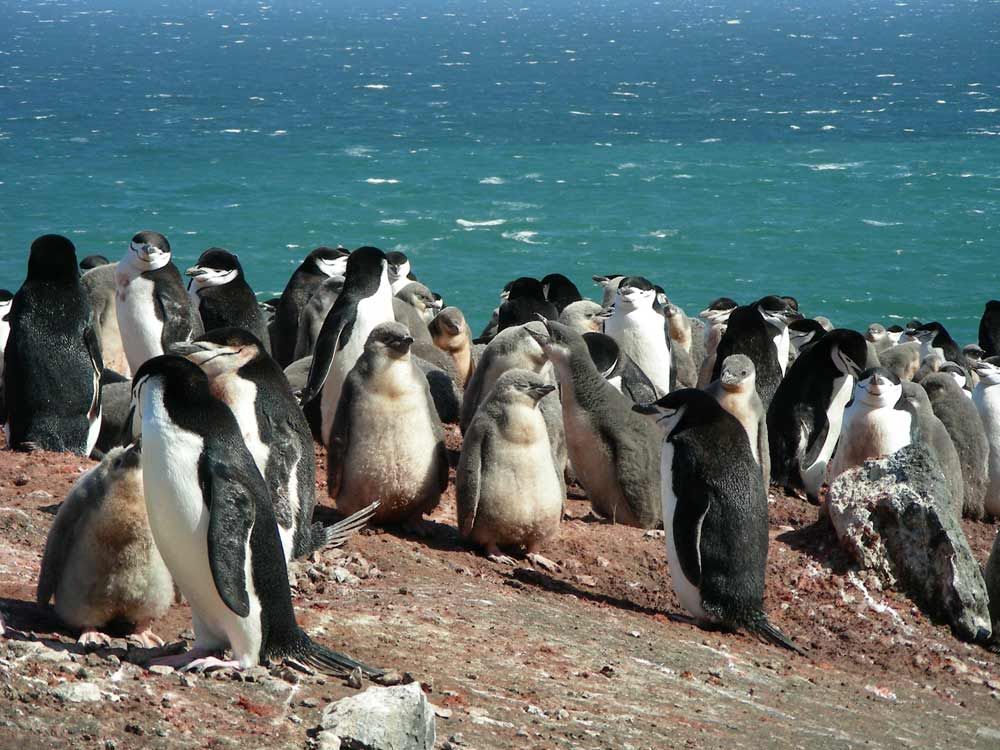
[847, 153]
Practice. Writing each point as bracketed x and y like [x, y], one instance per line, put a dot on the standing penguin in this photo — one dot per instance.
[220, 293]
[524, 302]
[451, 334]
[959, 416]
[618, 369]
[6, 300]
[102, 292]
[387, 442]
[243, 376]
[874, 425]
[806, 415]
[213, 521]
[989, 329]
[609, 287]
[930, 431]
[321, 264]
[365, 301]
[935, 339]
[986, 397]
[415, 307]
[612, 450]
[508, 488]
[639, 330]
[714, 514]
[736, 392]
[52, 359]
[100, 561]
[716, 317]
[760, 331]
[153, 307]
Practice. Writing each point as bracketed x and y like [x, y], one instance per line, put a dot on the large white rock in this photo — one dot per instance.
[381, 718]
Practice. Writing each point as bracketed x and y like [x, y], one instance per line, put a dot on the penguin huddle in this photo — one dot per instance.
[661, 419]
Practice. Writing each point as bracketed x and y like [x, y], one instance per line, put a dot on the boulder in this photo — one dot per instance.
[894, 516]
[992, 576]
[381, 718]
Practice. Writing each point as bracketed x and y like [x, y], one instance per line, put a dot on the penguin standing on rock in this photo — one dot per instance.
[321, 264]
[52, 359]
[153, 307]
[508, 488]
[714, 514]
[640, 331]
[250, 383]
[220, 293]
[365, 302]
[387, 442]
[100, 561]
[612, 450]
[213, 522]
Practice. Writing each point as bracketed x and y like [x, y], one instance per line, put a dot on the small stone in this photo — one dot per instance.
[562, 714]
[379, 719]
[354, 678]
[441, 712]
[607, 670]
[655, 534]
[635, 633]
[309, 702]
[603, 562]
[78, 692]
[586, 580]
[161, 669]
[343, 575]
[40, 495]
[21, 479]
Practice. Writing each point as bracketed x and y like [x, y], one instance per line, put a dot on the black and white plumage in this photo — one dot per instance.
[399, 270]
[6, 300]
[618, 368]
[525, 301]
[220, 293]
[986, 398]
[154, 310]
[935, 339]
[364, 302]
[245, 378]
[806, 414]
[213, 522]
[989, 329]
[320, 265]
[52, 358]
[714, 514]
[560, 291]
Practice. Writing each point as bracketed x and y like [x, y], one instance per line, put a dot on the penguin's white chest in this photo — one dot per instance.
[782, 344]
[987, 401]
[812, 475]
[140, 328]
[641, 336]
[687, 591]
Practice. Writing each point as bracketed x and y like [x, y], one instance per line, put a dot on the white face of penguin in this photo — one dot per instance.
[630, 298]
[332, 266]
[878, 391]
[203, 277]
[989, 373]
[146, 257]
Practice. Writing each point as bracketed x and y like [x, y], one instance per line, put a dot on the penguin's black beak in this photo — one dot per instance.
[402, 344]
[132, 456]
[185, 348]
[538, 392]
[195, 271]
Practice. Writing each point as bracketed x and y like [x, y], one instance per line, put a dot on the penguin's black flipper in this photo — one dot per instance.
[333, 335]
[231, 520]
[338, 534]
[763, 628]
[333, 663]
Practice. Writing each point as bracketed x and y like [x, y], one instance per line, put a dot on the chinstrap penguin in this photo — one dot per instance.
[220, 293]
[639, 331]
[986, 397]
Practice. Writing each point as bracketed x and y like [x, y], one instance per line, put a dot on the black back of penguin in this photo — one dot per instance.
[525, 302]
[989, 329]
[721, 520]
[52, 362]
[560, 291]
[230, 304]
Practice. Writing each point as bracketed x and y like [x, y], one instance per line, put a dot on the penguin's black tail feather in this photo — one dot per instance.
[762, 628]
[334, 663]
[338, 534]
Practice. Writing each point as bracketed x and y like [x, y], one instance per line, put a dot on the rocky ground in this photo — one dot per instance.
[591, 656]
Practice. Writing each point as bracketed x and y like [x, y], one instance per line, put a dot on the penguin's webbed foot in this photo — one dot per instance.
[146, 639]
[93, 638]
[543, 562]
[493, 554]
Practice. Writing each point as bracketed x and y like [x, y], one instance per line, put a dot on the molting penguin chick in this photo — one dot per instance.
[100, 561]
[100, 284]
[213, 522]
[387, 442]
[612, 450]
[879, 337]
[986, 397]
[874, 426]
[806, 415]
[583, 316]
[451, 334]
[321, 264]
[508, 488]
[52, 358]
[153, 307]
[365, 302]
[736, 392]
[716, 317]
[245, 378]
[220, 293]
[639, 330]
[714, 514]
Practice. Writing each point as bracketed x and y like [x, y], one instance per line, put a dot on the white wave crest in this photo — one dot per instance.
[877, 223]
[382, 181]
[492, 181]
[528, 238]
[467, 224]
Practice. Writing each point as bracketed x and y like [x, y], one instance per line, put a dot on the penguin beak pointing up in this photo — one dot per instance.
[538, 392]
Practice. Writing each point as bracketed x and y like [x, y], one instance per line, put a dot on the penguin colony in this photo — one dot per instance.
[207, 477]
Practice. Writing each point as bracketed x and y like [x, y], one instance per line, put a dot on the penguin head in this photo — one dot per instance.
[447, 324]
[399, 266]
[778, 311]
[555, 340]
[560, 291]
[988, 370]
[738, 373]
[876, 332]
[805, 331]
[973, 353]
[93, 261]
[719, 310]
[521, 387]
[824, 322]
[848, 351]
[417, 295]
[330, 261]
[148, 251]
[524, 287]
[634, 293]
[992, 306]
[367, 269]
[120, 460]
[392, 340]
[583, 316]
[938, 383]
[215, 267]
[220, 350]
[52, 258]
[878, 387]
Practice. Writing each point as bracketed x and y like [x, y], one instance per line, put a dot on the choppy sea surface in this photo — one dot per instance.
[847, 153]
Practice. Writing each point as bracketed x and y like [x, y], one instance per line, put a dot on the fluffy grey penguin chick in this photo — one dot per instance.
[100, 561]
[387, 442]
[736, 392]
[509, 488]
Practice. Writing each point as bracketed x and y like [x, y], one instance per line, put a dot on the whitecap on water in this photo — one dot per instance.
[876, 223]
[467, 224]
[382, 181]
[360, 152]
[491, 181]
[663, 233]
[833, 167]
[393, 222]
[524, 236]
[376, 86]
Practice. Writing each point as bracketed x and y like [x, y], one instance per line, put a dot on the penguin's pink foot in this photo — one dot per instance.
[493, 554]
[146, 639]
[91, 637]
[543, 562]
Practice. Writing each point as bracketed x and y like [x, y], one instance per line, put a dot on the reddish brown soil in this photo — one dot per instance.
[592, 656]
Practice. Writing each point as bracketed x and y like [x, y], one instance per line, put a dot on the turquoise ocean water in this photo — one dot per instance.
[847, 153]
